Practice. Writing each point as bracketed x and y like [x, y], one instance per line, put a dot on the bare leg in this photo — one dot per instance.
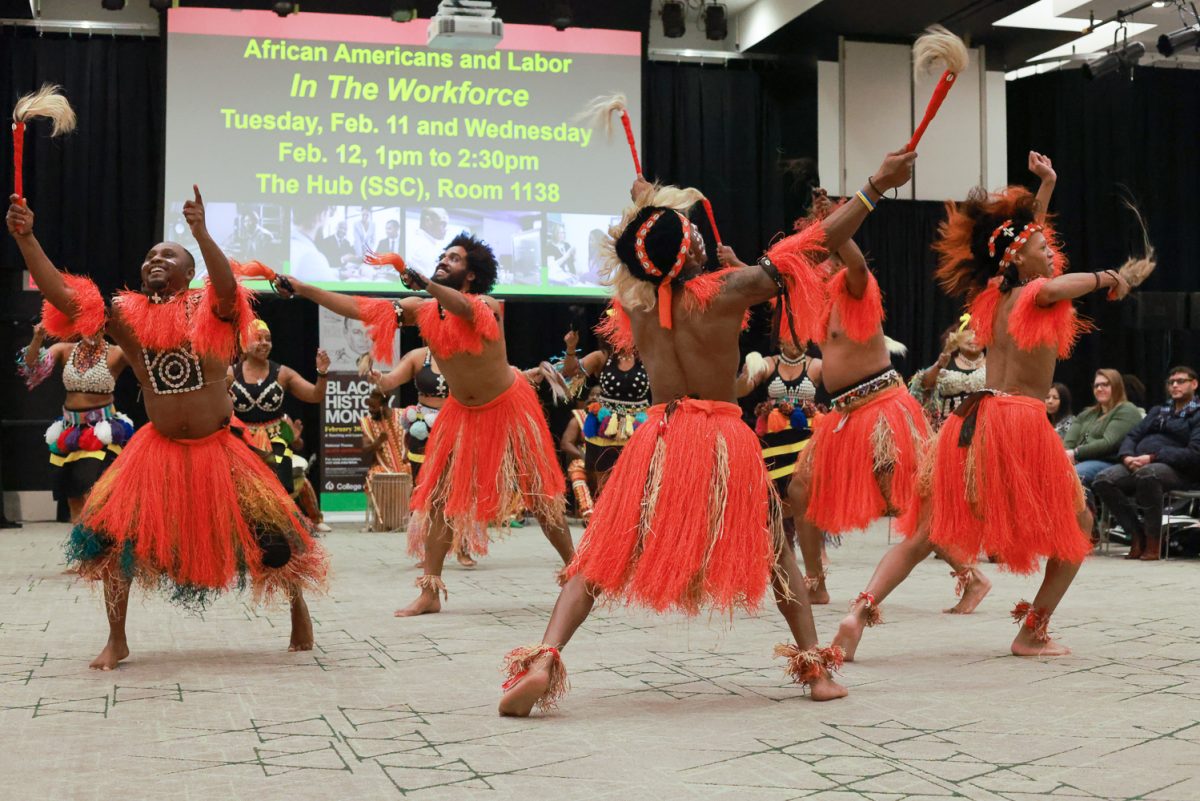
[76, 507]
[437, 545]
[810, 538]
[302, 627]
[791, 597]
[574, 604]
[116, 604]
[1058, 578]
[975, 586]
[559, 535]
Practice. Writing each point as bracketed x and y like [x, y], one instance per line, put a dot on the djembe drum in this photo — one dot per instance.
[389, 497]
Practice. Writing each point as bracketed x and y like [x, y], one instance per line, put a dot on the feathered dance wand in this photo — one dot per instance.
[937, 46]
[1137, 269]
[46, 102]
[599, 114]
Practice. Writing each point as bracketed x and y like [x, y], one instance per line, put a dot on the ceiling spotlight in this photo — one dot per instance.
[404, 10]
[112, 5]
[284, 8]
[561, 16]
[672, 19]
[1171, 43]
[1123, 59]
[160, 5]
[716, 23]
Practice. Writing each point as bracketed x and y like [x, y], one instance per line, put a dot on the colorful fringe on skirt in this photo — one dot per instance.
[1002, 485]
[486, 464]
[199, 516]
[874, 443]
[688, 518]
[83, 443]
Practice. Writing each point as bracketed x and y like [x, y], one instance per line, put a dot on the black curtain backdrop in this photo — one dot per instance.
[1104, 135]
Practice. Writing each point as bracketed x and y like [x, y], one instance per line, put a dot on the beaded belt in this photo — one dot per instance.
[624, 407]
[885, 380]
[89, 417]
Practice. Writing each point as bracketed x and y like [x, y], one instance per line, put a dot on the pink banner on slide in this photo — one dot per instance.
[376, 30]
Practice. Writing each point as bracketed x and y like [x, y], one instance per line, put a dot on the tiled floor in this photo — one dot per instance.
[661, 708]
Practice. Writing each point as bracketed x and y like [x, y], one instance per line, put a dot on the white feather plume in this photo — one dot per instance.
[895, 347]
[48, 102]
[598, 113]
[756, 365]
[937, 49]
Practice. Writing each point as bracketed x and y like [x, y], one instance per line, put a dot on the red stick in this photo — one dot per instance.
[637, 164]
[935, 102]
[712, 221]
[18, 158]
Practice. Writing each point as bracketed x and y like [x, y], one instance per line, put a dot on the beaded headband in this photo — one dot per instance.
[639, 245]
[1018, 240]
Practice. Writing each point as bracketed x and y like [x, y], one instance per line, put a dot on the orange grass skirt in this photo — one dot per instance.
[883, 438]
[485, 464]
[689, 518]
[194, 512]
[1012, 493]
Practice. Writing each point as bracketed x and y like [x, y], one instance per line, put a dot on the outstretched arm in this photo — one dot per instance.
[842, 223]
[403, 372]
[220, 274]
[1041, 166]
[343, 305]
[1075, 285]
[300, 388]
[45, 274]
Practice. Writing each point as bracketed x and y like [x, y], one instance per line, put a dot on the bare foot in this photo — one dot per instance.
[848, 635]
[518, 701]
[114, 651]
[302, 628]
[1026, 645]
[818, 595]
[974, 592]
[826, 689]
[420, 565]
[427, 603]
[465, 560]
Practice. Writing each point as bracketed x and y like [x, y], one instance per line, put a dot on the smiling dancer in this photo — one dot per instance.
[187, 503]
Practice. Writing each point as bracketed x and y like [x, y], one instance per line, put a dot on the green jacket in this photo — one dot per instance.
[1096, 436]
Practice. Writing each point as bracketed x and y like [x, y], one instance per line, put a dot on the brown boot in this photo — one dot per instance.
[1135, 550]
[1152, 552]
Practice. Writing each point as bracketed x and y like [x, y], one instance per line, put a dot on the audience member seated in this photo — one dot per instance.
[1058, 408]
[1160, 454]
[1095, 436]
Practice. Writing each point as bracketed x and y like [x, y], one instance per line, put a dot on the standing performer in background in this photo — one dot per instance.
[258, 386]
[958, 372]
[999, 480]
[187, 501]
[690, 519]
[91, 432]
[416, 421]
[491, 453]
[621, 408]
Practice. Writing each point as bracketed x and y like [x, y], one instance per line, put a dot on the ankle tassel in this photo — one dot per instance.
[433, 583]
[814, 582]
[1036, 619]
[874, 614]
[962, 580]
[518, 662]
[806, 666]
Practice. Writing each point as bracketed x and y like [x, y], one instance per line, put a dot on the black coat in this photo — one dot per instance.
[1170, 437]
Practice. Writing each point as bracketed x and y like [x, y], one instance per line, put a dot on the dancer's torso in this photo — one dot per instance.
[432, 389]
[260, 401]
[1016, 371]
[88, 376]
[844, 362]
[475, 379]
[627, 387]
[796, 390]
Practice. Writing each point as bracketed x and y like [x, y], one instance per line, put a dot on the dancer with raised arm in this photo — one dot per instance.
[187, 502]
[999, 480]
[490, 454]
[689, 519]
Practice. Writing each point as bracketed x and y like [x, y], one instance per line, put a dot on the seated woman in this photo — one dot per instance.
[1058, 408]
[1095, 436]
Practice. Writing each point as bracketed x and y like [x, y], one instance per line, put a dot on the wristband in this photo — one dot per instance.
[322, 374]
[415, 279]
[871, 183]
[866, 201]
[287, 285]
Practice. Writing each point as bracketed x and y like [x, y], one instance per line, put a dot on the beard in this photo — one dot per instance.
[451, 280]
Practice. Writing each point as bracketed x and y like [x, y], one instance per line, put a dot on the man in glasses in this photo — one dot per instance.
[1160, 454]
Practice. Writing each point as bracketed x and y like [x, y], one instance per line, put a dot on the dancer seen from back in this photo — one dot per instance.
[188, 502]
[490, 454]
[690, 519]
[999, 480]
[91, 432]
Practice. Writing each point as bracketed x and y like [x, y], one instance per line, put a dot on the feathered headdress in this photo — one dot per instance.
[47, 102]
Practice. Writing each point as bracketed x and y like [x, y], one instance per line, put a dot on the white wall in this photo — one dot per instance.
[868, 104]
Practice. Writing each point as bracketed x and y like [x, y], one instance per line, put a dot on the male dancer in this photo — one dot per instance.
[654, 539]
[490, 454]
[187, 500]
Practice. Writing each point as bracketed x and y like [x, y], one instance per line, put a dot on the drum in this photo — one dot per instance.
[388, 496]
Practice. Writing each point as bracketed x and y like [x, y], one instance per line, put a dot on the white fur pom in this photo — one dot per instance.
[50, 103]
[938, 49]
[54, 432]
[895, 347]
[103, 431]
[410, 414]
[598, 113]
[756, 365]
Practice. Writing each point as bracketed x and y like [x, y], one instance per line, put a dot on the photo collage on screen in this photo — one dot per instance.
[538, 253]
